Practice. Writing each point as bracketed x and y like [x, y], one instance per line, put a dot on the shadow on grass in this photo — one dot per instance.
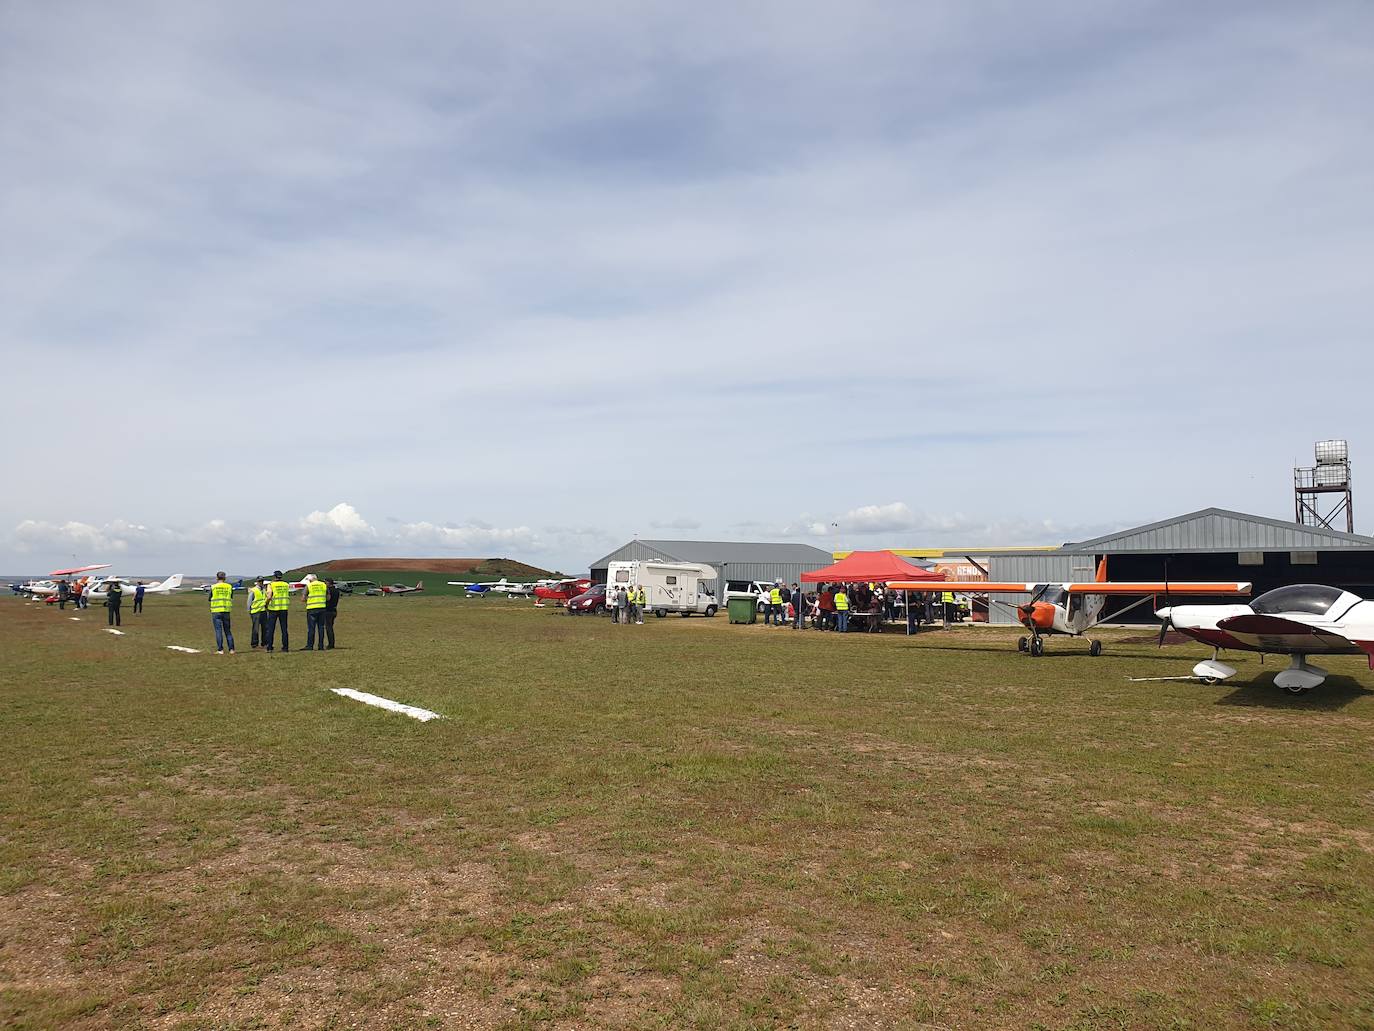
[1332, 696]
[1067, 652]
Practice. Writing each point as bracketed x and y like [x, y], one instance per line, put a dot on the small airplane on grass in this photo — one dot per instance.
[100, 588]
[501, 586]
[236, 585]
[561, 591]
[1298, 620]
[1071, 609]
[386, 589]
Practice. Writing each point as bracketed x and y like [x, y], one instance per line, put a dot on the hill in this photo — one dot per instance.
[435, 572]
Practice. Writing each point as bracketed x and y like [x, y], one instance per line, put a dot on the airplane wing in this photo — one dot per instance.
[78, 569]
[1184, 588]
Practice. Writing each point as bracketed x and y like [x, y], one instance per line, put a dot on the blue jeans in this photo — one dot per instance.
[314, 624]
[842, 619]
[221, 623]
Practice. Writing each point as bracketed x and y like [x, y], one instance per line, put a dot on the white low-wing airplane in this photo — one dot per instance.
[501, 586]
[99, 588]
[1298, 620]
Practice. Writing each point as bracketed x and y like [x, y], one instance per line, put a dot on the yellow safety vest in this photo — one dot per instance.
[314, 595]
[841, 602]
[257, 600]
[775, 596]
[281, 596]
[640, 597]
[221, 596]
[947, 596]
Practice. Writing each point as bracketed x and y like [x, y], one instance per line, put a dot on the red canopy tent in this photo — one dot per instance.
[869, 567]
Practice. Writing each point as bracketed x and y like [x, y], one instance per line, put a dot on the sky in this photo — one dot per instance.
[288, 282]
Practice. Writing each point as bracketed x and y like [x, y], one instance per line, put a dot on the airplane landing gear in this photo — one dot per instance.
[1023, 645]
[1094, 648]
[1300, 677]
[1037, 646]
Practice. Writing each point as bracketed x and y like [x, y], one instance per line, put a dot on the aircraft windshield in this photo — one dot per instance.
[1051, 593]
[1310, 599]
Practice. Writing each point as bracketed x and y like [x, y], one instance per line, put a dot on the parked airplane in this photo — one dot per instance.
[79, 569]
[1071, 609]
[236, 585]
[501, 586]
[1298, 620]
[560, 591]
[400, 588]
[97, 588]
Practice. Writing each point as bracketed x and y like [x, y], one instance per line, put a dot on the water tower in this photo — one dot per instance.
[1325, 488]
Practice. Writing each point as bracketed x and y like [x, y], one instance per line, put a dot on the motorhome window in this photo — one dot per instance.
[1310, 599]
[622, 576]
[670, 580]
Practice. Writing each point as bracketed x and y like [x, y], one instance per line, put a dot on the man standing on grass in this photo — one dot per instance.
[114, 597]
[641, 599]
[316, 597]
[221, 605]
[138, 598]
[331, 609]
[64, 592]
[278, 598]
[257, 611]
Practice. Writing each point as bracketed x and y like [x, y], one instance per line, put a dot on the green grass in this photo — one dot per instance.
[681, 825]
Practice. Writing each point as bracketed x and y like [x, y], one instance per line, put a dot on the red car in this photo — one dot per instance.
[563, 591]
[593, 601]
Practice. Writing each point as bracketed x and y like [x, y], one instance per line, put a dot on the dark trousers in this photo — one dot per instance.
[138, 603]
[258, 620]
[274, 620]
[314, 626]
[62, 603]
[112, 613]
[329, 615]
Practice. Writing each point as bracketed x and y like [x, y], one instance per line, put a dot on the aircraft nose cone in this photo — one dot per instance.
[1165, 612]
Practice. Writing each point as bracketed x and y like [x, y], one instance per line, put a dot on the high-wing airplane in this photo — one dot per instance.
[501, 586]
[562, 590]
[79, 569]
[1071, 609]
[236, 585]
[1297, 620]
[97, 588]
[402, 588]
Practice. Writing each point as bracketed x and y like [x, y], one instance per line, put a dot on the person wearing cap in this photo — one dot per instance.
[257, 611]
[138, 597]
[221, 605]
[331, 608]
[278, 598]
[315, 598]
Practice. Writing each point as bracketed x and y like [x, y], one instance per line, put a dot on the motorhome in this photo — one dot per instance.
[683, 587]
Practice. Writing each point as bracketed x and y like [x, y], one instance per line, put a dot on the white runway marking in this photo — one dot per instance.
[183, 648]
[423, 715]
[112, 630]
[75, 619]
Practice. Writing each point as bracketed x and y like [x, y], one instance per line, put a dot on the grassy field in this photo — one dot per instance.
[680, 825]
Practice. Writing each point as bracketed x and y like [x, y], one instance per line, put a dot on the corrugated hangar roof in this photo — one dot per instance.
[1219, 529]
[721, 551]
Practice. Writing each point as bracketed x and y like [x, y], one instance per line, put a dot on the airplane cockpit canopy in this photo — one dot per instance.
[1051, 593]
[1306, 599]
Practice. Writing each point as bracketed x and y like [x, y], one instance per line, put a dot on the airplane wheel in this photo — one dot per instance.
[1095, 648]
[1023, 645]
[1295, 691]
[660, 613]
[1211, 680]
[1037, 647]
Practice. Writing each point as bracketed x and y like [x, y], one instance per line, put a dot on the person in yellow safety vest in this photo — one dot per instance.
[278, 598]
[315, 596]
[257, 611]
[948, 600]
[641, 599]
[774, 614]
[221, 605]
[842, 610]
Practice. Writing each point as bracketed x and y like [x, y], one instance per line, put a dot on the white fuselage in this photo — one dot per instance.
[100, 588]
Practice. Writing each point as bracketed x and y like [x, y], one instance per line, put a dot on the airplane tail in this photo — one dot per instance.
[1102, 571]
[171, 583]
[419, 585]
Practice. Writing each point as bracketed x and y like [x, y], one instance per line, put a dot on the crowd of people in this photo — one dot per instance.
[269, 602]
[627, 604]
[835, 607]
[78, 594]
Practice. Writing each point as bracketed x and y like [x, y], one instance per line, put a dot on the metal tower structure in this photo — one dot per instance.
[1321, 494]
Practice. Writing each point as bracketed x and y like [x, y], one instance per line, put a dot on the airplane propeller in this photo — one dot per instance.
[1168, 622]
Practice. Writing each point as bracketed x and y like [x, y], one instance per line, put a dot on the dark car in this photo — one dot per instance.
[593, 601]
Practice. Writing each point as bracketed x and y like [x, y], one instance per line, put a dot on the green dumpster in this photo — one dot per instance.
[742, 610]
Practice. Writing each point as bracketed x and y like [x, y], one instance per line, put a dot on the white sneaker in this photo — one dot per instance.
[220, 652]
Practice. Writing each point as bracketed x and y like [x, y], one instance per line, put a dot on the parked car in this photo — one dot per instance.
[593, 601]
[756, 589]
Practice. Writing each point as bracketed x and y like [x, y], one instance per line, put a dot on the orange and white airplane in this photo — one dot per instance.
[1072, 609]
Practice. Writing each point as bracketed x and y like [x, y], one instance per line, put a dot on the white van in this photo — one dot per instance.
[668, 586]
